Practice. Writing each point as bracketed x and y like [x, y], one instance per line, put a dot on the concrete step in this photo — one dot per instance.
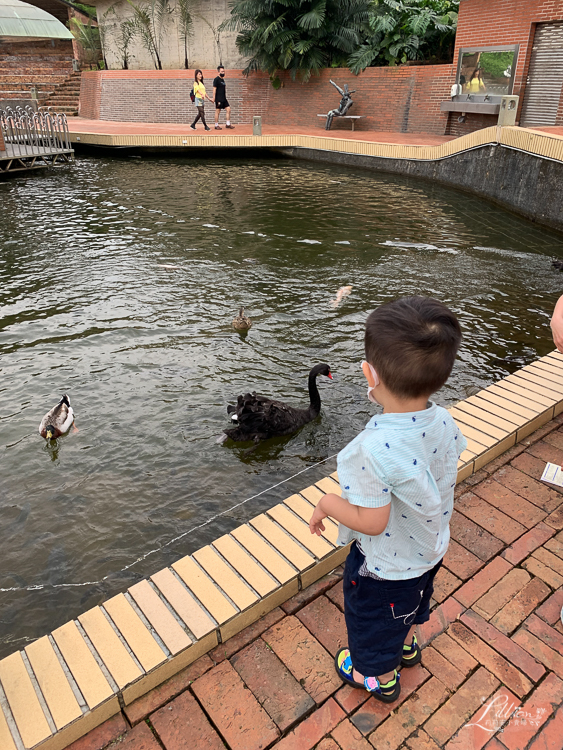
[33, 56]
[38, 66]
[55, 101]
[32, 80]
[27, 87]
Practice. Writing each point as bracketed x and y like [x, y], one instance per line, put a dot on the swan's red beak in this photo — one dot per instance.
[330, 375]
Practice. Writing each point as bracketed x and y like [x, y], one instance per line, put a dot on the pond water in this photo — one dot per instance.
[149, 359]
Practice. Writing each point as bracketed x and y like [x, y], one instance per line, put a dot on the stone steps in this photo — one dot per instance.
[40, 67]
[32, 79]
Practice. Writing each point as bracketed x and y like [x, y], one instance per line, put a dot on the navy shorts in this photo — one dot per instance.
[379, 615]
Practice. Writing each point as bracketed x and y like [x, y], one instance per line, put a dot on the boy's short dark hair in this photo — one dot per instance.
[220, 67]
[412, 343]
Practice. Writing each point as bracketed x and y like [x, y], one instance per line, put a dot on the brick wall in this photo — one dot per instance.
[403, 99]
[2, 146]
[489, 22]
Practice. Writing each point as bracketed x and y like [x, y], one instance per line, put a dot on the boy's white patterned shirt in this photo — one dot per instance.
[408, 460]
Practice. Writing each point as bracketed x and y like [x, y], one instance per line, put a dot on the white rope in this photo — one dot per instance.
[39, 587]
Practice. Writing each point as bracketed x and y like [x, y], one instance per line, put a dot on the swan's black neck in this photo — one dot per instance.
[315, 406]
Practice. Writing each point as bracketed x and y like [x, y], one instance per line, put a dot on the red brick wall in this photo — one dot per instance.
[489, 22]
[403, 99]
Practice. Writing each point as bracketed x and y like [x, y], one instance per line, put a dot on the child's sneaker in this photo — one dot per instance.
[387, 693]
[411, 654]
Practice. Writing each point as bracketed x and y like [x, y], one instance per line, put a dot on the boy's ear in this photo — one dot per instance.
[367, 370]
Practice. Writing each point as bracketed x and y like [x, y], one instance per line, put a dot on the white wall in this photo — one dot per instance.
[206, 46]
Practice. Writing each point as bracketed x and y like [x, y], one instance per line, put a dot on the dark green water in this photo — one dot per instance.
[149, 358]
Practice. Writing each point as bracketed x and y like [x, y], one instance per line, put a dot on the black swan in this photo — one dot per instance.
[259, 418]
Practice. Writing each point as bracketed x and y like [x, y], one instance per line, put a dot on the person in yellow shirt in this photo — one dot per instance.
[200, 96]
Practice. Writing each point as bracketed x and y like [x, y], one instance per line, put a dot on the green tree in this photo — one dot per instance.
[402, 30]
[302, 36]
[185, 25]
[150, 20]
[88, 37]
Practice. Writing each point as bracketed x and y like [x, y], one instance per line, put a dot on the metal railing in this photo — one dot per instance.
[30, 133]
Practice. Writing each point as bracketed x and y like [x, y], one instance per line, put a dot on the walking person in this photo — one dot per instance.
[220, 99]
[200, 96]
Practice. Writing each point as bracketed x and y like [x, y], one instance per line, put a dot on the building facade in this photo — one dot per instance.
[490, 33]
[206, 46]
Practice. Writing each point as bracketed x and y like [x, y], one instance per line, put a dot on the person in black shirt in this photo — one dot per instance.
[220, 99]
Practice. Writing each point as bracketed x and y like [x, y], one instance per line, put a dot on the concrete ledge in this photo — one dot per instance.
[64, 685]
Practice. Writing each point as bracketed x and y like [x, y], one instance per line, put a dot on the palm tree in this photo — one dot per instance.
[185, 25]
[150, 20]
[302, 36]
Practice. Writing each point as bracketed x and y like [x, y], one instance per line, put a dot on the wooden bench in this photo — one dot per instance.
[345, 117]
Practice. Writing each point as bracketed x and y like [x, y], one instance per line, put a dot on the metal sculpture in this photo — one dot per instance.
[345, 104]
[34, 139]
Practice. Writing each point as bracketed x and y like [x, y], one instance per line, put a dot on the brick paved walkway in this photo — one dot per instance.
[109, 127]
[492, 669]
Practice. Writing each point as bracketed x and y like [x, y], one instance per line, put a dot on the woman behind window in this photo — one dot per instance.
[200, 96]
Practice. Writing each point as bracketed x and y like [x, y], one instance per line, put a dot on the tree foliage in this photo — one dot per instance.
[302, 36]
[402, 30]
[88, 37]
[184, 9]
[150, 21]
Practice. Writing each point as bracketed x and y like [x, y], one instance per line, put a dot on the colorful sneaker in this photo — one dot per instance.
[387, 693]
[411, 654]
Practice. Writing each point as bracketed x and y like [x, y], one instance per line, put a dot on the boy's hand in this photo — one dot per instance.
[316, 525]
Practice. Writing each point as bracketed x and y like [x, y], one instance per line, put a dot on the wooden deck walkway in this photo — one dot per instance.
[100, 666]
[19, 157]
[413, 146]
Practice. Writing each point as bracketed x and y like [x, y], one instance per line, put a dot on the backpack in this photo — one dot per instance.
[192, 95]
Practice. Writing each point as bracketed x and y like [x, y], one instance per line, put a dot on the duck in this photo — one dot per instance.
[259, 418]
[58, 421]
[242, 322]
[558, 264]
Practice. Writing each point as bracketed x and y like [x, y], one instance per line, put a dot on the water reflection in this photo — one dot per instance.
[90, 306]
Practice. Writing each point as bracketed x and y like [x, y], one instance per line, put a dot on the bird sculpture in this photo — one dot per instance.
[259, 418]
[242, 322]
[58, 421]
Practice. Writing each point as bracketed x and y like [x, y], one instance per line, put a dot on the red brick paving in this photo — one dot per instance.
[504, 645]
[535, 711]
[489, 658]
[527, 543]
[456, 711]
[101, 736]
[234, 710]
[494, 648]
[274, 686]
[326, 622]
[497, 522]
[182, 725]
[107, 127]
[142, 707]
[373, 712]
[478, 586]
[246, 636]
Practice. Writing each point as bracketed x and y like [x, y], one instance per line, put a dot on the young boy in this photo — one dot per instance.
[397, 479]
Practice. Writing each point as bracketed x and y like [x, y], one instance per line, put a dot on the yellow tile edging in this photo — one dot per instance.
[63, 685]
[539, 143]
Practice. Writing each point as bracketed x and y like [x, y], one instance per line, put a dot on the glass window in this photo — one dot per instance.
[487, 71]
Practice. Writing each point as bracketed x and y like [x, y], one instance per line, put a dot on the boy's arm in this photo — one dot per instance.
[557, 324]
[370, 521]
